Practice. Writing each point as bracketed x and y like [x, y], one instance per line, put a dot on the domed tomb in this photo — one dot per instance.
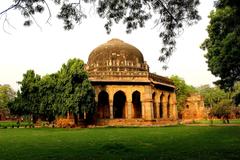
[126, 90]
[116, 55]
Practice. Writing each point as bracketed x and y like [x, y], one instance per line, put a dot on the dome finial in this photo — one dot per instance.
[115, 40]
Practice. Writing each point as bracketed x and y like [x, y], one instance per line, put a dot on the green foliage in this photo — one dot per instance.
[223, 44]
[13, 124]
[170, 15]
[7, 94]
[221, 103]
[48, 94]
[208, 143]
[27, 100]
[68, 90]
[182, 92]
[212, 95]
[222, 109]
[75, 90]
[236, 94]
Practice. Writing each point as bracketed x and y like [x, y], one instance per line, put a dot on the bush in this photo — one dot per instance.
[65, 123]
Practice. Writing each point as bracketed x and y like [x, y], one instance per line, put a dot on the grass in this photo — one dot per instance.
[208, 143]
[217, 121]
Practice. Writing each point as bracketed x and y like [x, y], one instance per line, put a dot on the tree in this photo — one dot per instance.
[27, 101]
[48, 95]
[223, 43]
[172, 15]
[212, 95]
[236, 93]
[222, 104]
[222, 110]
[67, 91]
[7, 95]
[75, 92]
[182, 92]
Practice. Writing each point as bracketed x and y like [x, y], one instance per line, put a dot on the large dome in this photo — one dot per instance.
[116, 55]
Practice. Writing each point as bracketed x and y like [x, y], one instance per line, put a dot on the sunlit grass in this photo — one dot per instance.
[121, 143]
[217, 121]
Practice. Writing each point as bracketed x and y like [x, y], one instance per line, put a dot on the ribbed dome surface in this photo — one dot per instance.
[115, 53]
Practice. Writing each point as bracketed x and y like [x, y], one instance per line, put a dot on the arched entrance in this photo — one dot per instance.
[137, 105]
[161, 106]
[103, 105]
[119, 100]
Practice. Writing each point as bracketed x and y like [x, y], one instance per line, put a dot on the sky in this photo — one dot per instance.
[46, 47]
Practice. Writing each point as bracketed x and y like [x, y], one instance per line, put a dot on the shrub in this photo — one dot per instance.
[65, 123]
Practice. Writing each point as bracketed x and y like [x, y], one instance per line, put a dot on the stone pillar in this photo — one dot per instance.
[147, 103]
[158, 109]
[164, 106]
[129, 109]
[174, 107]
[164, 110]
[143, 110]
[111, 109]
[148, 109]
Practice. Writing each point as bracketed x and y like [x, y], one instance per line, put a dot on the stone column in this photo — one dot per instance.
[164, 110]
[147, 103]
[129, 109]
[174, 107]
[158, 109]
[148, 109]
[164, 106]
[143, 110]
[111, 109]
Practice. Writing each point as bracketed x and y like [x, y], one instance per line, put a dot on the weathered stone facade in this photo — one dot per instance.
[194, 108]
[126, 92]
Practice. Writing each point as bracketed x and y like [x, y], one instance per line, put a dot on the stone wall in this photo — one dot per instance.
[194, 108]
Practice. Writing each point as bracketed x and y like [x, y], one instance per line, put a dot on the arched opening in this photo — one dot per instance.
[137, 105]
[119, 101]
[161, 106]
[168, 107]
[103, 108]
[154, 105]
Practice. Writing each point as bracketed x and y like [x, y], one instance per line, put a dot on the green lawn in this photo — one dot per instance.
[181, 143]
[217, 121]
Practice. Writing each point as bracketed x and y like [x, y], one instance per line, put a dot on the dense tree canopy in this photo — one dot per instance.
[7, 95]
[222, 104]
[212, 95]
[68, 90]
[170, 15]
[76, 92]
[183, 91]
[223, 44]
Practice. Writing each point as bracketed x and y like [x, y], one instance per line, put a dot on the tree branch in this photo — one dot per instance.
[11, 7]
[3, 26]
[166, 9]
[49, 12]
[32, 18]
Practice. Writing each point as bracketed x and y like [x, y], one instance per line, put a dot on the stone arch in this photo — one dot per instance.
[137, 105]
[154, 105]
[168, 106]
[119, 101]
[161, 106]
[103, 108]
